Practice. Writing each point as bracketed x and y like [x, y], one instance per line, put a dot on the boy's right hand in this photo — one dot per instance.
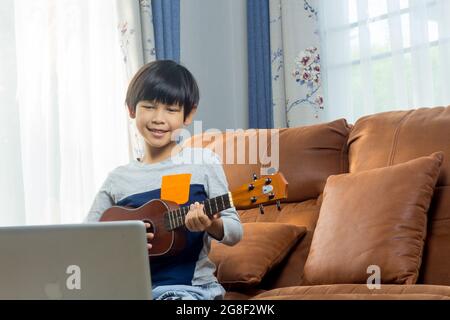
[150, 236]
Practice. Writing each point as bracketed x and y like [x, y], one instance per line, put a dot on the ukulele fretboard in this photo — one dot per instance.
[175, 219]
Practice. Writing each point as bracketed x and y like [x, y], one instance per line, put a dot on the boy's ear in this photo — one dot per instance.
[131, 113]
[190, 116]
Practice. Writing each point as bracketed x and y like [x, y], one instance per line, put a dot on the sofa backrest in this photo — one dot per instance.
[389, 138]
[307, 155]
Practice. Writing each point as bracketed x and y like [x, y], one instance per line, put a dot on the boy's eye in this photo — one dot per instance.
[173, 110]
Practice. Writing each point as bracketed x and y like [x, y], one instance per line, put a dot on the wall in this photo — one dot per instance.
[214, 49]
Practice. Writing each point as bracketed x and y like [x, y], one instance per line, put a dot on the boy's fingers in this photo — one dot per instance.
[199, 206]
[149, 246]
[196, 218]
[203, 218]
[150, 235]
[196, 222]
[188, 224]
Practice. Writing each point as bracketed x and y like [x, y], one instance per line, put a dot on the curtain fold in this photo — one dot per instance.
[259, 67]
[74, 60]
[71, 127]
[11, 177]
[166, 21]
[137, 44]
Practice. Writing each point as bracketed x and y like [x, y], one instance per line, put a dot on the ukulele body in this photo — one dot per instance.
[165, 242]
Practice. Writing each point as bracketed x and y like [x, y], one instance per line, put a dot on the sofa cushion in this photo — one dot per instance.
[358, 296]
[374, 217]
[290, 271]
[389, 138]
[263, 246]
[243, 294]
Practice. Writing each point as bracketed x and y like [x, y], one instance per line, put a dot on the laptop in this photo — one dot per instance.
[103, 260]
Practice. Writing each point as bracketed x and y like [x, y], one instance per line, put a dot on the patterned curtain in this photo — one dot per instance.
[295, 61]
[137, 43]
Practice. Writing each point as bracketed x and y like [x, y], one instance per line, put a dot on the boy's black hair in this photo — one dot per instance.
[163, 81]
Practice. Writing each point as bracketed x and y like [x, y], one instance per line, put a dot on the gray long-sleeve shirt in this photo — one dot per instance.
[137, 183]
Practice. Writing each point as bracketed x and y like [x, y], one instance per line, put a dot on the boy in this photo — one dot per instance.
[163, 97]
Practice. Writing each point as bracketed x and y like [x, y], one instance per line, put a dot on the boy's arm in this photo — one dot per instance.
[102, 201]
[228, 228]
[215, 230]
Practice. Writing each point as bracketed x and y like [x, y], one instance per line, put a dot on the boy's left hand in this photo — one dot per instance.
[196, 220]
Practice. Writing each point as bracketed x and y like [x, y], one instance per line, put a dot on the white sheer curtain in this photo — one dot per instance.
[380, 55]
[64, 126]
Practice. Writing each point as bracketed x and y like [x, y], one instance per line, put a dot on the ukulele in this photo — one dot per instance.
[166, 218]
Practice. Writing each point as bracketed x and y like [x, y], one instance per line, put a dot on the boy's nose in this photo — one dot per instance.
[157, 121]
[158, 117]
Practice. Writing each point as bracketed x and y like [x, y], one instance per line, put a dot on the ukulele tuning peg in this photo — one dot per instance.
[271, 196]
[253, 199]
[255, 177]
[261, 209]
[278, 205]
[268, 181]
[251, 187]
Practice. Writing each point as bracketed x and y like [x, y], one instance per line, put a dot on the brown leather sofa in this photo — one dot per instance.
[307, 157]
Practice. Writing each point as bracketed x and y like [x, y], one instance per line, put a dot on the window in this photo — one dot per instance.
[382, 55]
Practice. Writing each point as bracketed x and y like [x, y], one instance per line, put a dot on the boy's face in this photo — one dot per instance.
[156, 122]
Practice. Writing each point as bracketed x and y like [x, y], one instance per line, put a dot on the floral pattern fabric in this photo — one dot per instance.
[137, 43]
[295, 58]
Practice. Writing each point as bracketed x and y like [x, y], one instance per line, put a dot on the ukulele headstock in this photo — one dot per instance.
[266, 189]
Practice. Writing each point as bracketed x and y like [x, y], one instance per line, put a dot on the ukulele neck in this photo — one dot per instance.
[175, 218]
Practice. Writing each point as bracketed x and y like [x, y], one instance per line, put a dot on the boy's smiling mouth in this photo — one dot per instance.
[157, 132]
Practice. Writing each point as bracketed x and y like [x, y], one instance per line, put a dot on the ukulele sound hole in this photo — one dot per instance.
[152, 228]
